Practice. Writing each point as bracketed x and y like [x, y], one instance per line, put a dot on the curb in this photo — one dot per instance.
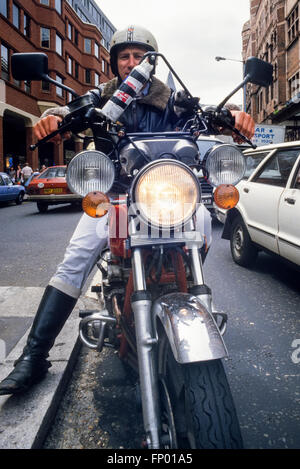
[25, 419]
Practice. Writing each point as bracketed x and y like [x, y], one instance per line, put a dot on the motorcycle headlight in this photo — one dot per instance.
[90, 171]
[225, 165]
[166, 193]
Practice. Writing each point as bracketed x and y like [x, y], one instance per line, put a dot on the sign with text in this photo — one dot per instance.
[266, 134]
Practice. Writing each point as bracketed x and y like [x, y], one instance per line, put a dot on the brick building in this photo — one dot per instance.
[272, 34]
[77, 58]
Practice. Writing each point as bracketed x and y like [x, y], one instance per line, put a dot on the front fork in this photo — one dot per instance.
[146, 339]
[141, 306]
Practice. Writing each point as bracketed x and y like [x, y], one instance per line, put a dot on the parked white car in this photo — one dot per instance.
[267, 216]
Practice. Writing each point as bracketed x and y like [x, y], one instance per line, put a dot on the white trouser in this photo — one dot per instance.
[88, 241]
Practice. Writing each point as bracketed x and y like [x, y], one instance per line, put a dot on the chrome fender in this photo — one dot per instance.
[192, 331]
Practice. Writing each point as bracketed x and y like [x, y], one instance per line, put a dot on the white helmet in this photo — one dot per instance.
[131, 36]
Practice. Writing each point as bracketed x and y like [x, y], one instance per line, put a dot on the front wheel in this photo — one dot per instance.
[20, 198]
[243, 251]
[203, 414]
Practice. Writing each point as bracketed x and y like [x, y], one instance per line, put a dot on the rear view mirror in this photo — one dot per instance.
[258, 72]
[33, 66]
[30, 66]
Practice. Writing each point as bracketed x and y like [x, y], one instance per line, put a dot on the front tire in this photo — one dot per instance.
[20, 198]
[243, 251]
[204, 414]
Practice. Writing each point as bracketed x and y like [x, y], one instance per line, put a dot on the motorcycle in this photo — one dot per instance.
[156, 308]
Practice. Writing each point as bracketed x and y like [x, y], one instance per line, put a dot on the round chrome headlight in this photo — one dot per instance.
[90, 171]
[165, 193]
[225, 165]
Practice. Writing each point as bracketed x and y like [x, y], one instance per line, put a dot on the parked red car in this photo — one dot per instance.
[50, 188]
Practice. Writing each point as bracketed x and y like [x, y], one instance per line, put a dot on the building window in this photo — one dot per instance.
[103, 66]
[58, 6]
[4, 62]
[97, 79]
[26, 25]
[45, 2]
[87, 45]
[76, 37]
[76, 70]
[16, 16]
[59, 91]
[17, 83]
[293, 25]
[45, 38]
[87, 75]
[259, 103]
[58, 44]
[96, 50]
[294, 85]
[70, 65]
[27, 87]
[69, 31]
[3, 8]
[46, 86]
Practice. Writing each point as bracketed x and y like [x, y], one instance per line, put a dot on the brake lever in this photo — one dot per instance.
[223, 117]
[61, 129]
[237, 132]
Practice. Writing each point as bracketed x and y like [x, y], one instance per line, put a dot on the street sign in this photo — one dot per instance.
[265, 134]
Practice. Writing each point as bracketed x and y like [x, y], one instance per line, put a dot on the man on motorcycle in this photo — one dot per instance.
[157, 108]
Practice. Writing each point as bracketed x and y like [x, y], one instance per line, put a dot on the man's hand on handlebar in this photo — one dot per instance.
[49, 124]
[244, 123]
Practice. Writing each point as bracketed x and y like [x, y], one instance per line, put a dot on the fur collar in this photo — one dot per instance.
[158, 95]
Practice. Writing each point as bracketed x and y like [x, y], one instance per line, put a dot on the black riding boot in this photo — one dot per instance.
[54, 309]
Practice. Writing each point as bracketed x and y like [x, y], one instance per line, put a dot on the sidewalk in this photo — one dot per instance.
[25, 419]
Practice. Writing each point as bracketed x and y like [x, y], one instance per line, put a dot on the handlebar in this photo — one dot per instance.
[79, 119]
[61, 129]
[224, 119]
[83, 115]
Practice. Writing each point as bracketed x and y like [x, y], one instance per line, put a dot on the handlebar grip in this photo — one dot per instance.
[61, 127]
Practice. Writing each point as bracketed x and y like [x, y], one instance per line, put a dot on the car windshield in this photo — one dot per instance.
[6, 181]
[53, 173]
[252, 161]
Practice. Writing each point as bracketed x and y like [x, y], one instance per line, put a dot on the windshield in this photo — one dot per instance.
[252, 161]
[53, 173]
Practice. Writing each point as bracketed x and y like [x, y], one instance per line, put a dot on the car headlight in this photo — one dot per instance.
[165, 193]
[90, 171]
[225, 165]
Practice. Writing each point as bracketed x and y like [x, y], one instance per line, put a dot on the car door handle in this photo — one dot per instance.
[246, 189]
[290, 201]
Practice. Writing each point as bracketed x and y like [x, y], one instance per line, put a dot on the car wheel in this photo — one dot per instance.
[243, 251]
[20, 198]
[42, 207]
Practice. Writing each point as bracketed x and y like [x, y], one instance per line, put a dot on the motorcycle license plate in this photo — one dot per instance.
[58, 190]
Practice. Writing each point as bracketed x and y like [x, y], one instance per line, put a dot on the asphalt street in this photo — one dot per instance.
[263, 332]
[32, 243]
